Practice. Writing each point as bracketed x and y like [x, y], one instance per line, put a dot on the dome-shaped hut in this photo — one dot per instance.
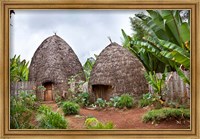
[53, 63]
[117, 71]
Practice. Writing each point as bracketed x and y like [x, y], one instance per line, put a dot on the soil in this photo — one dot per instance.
[122, 118]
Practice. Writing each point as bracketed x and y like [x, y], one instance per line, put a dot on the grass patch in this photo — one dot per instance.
[166, 113]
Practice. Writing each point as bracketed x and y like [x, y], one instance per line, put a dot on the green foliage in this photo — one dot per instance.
[18, 69]
[166, 113]
[182, 75]
[146, 100]
[75, 87]
[160, 38]
[125, 101]
[48, 119]
[21, 109]
[100, 103]
[93, 123]
[83, 99]
[87, 67]
[114, 101]
[70, 108]
[156, 83]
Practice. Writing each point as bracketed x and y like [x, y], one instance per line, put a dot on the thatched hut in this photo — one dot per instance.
[53, 63]
[117, 71]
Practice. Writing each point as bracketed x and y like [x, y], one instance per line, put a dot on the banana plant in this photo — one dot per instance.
[18, 69]
[160, 38]
[87, 67]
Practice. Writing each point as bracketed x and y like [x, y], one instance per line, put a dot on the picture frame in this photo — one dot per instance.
[7, 5]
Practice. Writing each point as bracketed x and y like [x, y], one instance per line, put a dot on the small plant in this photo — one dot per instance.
[21, 109]
[93, 123]
[70, 108]
[125, 101]
[100, 103]
[166, 113]
[146, 100]
[114, 101]
[48, 119]
[83, 99]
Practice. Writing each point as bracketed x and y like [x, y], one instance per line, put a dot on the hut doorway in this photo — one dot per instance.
[102, 91]
[48, 94]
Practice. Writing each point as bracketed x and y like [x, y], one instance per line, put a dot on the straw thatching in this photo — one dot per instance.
[53, 63]
[117, 71]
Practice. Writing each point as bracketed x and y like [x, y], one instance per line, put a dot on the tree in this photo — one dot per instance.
[88, 67]
[160, 39]
[18, 69]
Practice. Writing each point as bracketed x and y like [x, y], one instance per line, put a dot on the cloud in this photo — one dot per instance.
[86, 31]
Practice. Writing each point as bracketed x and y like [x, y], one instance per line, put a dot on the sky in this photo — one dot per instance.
[86, 31]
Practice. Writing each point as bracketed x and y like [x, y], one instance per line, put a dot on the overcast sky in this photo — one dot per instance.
[86, 31]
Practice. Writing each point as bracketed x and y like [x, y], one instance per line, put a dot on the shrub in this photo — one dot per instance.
[114, 101]
[70, 108]
[48, 119]
[146, 100]
[93, 123]
[125, 101]
[83, 99]
[21, 109]
[101, 103]
[166, 113]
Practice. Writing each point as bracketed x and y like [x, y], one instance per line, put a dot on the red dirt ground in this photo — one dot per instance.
[122, 119]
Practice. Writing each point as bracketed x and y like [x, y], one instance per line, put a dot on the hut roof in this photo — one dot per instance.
[117, 67]
[54, 61]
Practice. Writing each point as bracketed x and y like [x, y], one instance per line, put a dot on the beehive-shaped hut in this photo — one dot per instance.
[53, 63]
[117, 71]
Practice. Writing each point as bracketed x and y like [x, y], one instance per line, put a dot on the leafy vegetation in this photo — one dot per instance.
[87, 67]
[114, 101]
[18, 69]
[100, 103]
[166, 113]
[125, 100]
[48, 119]
[146, 100]
[157, 84]
[160, 39]
[21, 109]
[70, 108]
[93, 123]
[83, 99]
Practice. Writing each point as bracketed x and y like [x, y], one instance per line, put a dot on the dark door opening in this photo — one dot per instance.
[48, 94]
[102, 91]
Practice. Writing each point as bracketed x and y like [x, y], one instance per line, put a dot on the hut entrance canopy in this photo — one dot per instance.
[48, 94]
[102, 91]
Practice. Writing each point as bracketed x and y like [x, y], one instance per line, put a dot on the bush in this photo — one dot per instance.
[146, 100]
[114, 101]
[70, 108]
[83, 99]
[21, 109]
[100, 103]
[125, 101]
[93, 123]
[48, 119]
[166, 113]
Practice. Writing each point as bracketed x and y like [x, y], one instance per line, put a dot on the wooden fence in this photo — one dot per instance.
[174, 88]
[16, 87]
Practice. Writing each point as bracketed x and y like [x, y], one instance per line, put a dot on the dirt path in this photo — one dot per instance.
[122, 119]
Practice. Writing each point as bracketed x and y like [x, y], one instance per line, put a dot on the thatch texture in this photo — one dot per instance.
[117, 71]
[54, 61]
